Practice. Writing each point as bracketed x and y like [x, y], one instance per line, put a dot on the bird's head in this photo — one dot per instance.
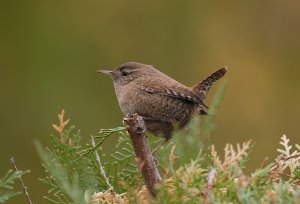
[129, 72]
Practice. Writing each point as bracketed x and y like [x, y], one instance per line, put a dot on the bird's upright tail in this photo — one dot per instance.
[203, 87]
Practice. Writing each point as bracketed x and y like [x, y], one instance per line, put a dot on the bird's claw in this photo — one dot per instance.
[141, 130]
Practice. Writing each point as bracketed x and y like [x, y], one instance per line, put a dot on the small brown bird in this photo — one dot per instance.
[162, 102]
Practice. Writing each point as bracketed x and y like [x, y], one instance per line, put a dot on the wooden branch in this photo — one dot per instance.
[145, 160]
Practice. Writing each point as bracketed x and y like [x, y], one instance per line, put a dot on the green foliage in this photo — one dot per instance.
[122, 166]
[191, 168]
[64, 173]
[6, 185]
[72, 170]
[73, 173]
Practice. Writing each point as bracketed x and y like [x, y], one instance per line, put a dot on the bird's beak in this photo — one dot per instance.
[107, 72]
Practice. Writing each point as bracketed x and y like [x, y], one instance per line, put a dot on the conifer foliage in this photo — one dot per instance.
[193, 170]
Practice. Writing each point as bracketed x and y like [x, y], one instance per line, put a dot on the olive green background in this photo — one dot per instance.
[49, 51]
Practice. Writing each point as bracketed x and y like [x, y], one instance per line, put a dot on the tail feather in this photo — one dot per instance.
[203, 87]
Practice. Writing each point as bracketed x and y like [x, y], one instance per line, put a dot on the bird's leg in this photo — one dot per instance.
[156, 150]
[160, 145]
[125, 119]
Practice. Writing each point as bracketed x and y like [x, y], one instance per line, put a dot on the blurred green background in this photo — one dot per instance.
[49, 51]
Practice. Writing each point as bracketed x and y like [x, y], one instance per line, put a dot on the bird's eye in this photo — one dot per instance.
[124, 73]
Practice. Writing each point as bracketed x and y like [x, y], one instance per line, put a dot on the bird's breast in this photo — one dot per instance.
[127, 97]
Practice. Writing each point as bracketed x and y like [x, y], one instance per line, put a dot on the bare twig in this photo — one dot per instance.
[101, 167]
[145, 159]
[25, 189]
[297, 155]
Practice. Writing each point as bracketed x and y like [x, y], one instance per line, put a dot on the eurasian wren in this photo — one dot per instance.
[161, 101]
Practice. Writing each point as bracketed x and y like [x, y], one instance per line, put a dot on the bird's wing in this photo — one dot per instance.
[178, 92]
